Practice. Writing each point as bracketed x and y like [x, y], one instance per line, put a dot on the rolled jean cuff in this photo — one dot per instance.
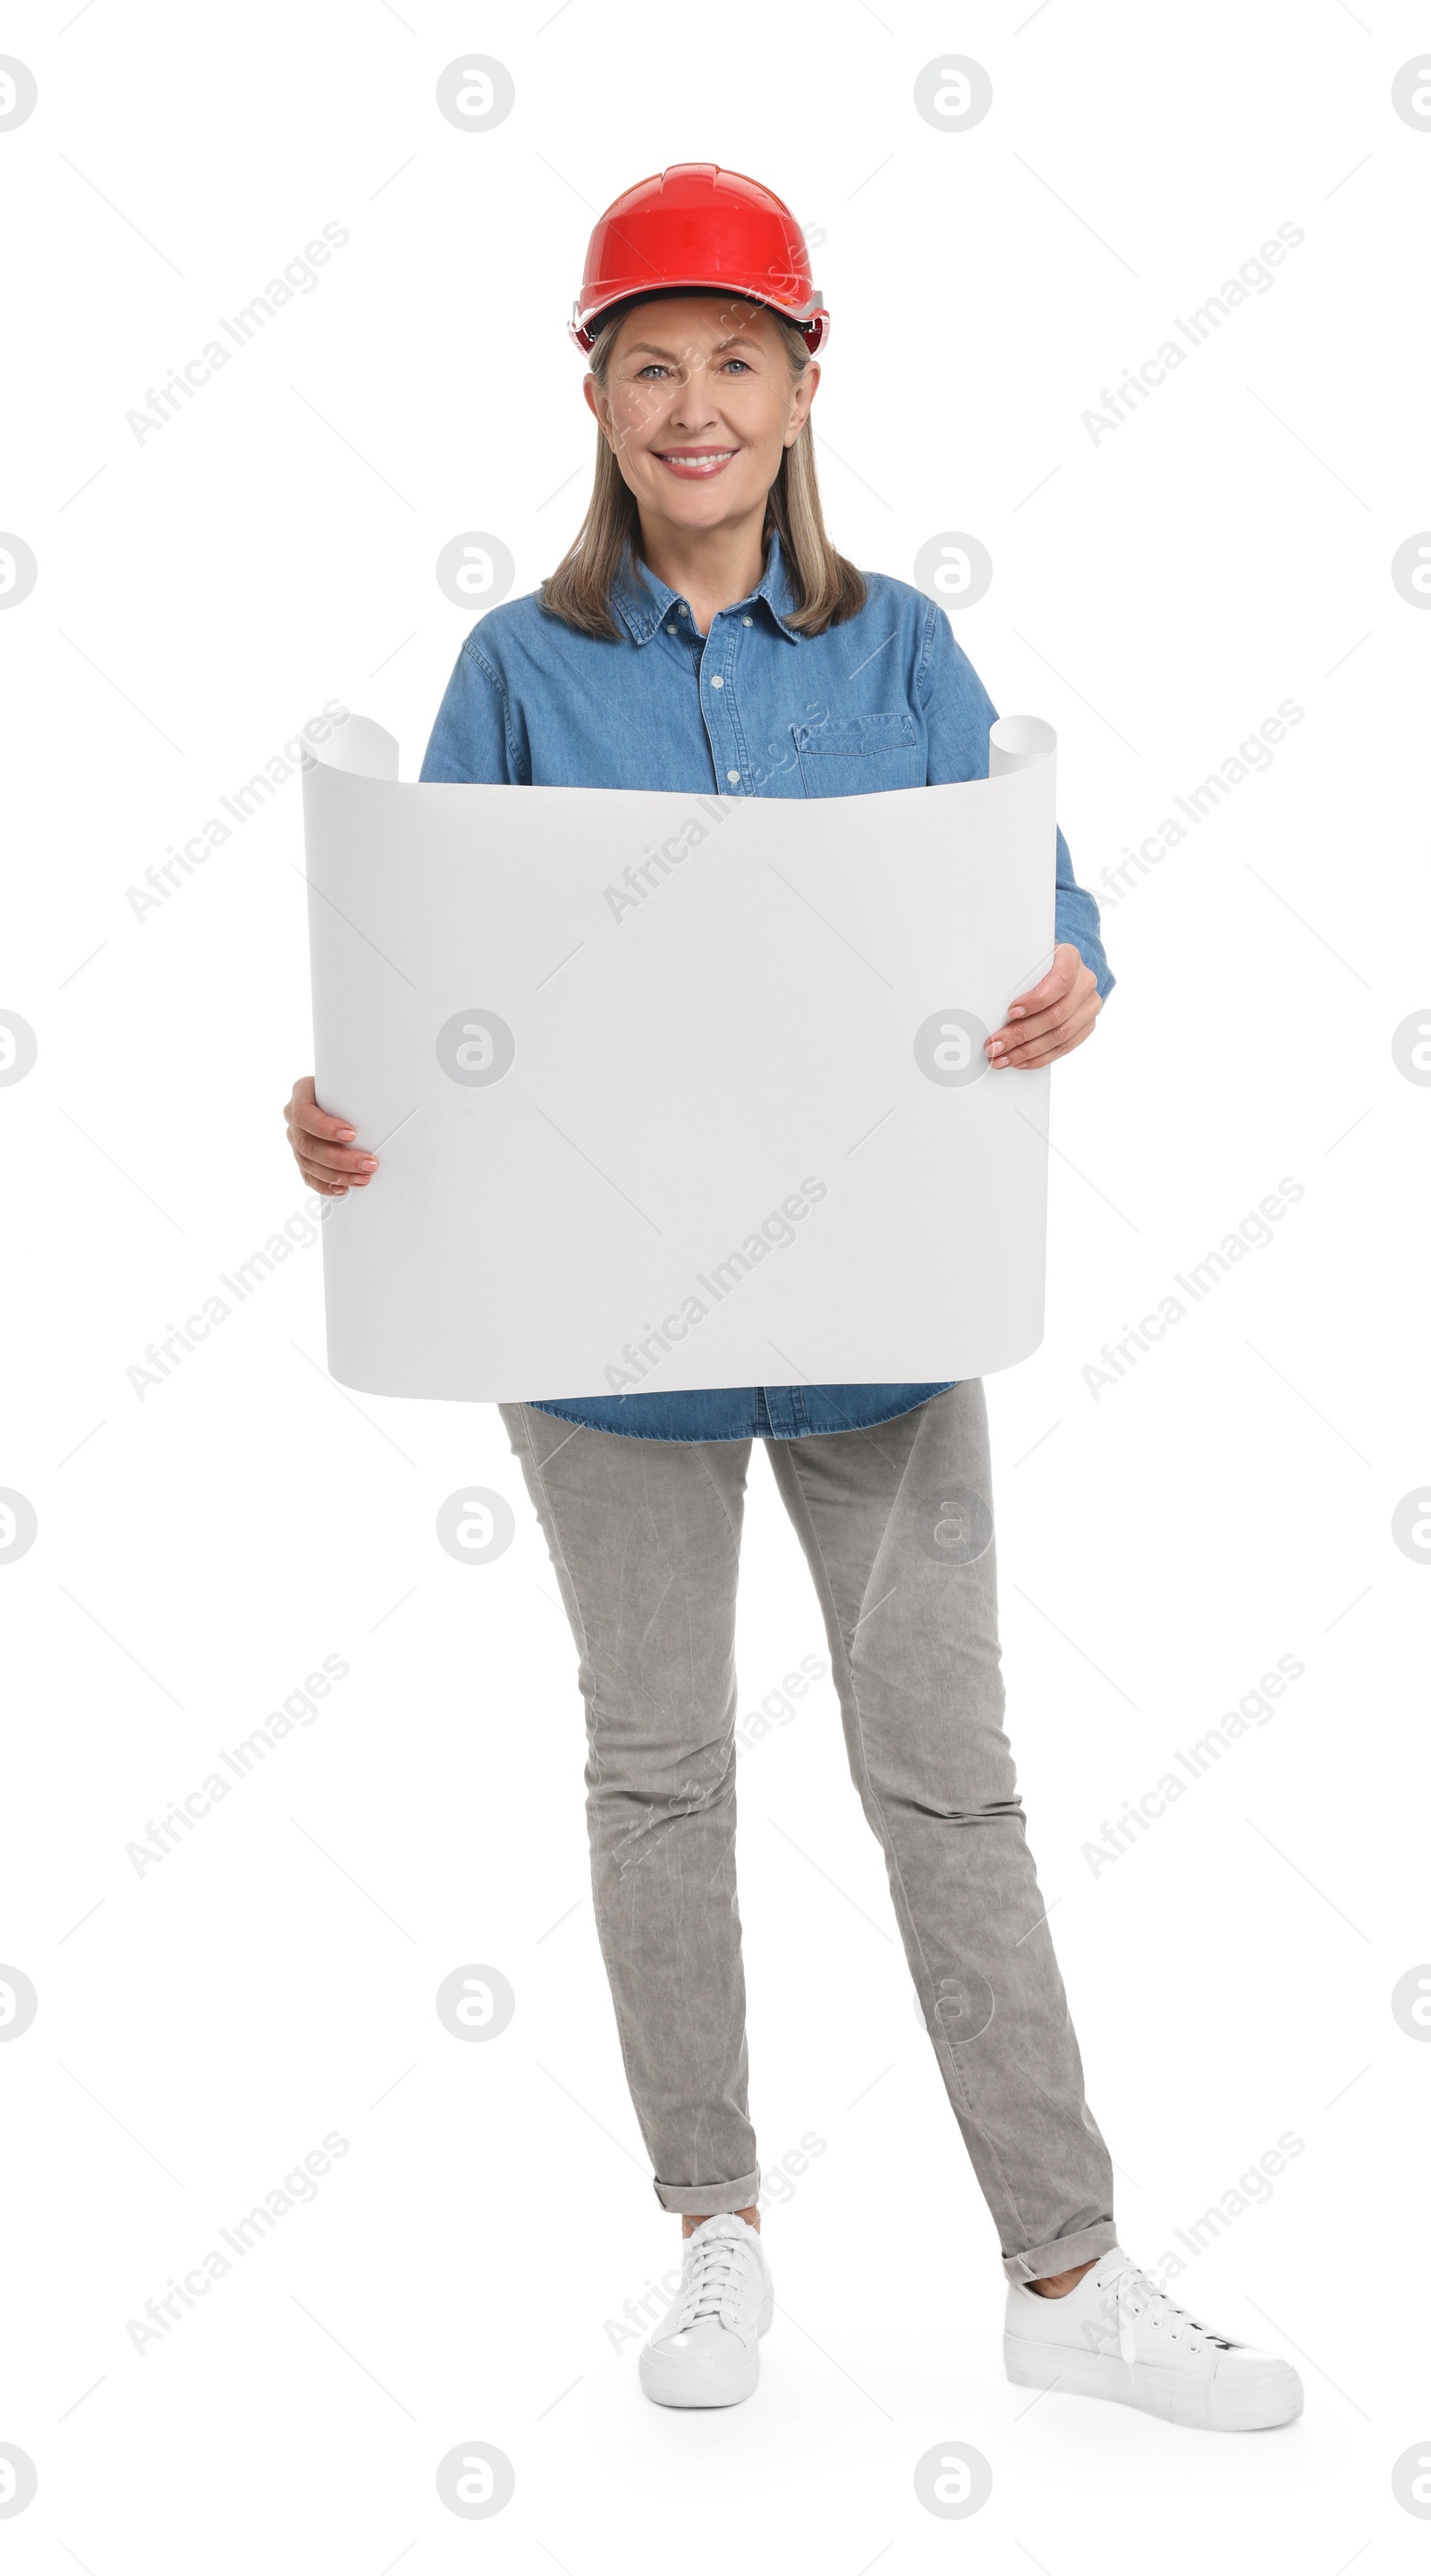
[1063, 2253]
[709, 2199]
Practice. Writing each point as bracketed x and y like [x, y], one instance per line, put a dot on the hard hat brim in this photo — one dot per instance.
[812, 318]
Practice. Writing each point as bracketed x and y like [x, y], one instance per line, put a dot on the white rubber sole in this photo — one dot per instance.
[1246, 2401]
[698, 2379]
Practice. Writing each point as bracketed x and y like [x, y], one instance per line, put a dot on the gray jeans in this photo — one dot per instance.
[897, 1526]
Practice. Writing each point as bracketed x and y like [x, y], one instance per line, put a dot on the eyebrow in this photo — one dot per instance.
[654, 349]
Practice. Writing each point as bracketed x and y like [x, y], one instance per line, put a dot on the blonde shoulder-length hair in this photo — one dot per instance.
[827, 588]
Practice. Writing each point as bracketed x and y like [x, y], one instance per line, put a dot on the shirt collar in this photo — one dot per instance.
[644, 603]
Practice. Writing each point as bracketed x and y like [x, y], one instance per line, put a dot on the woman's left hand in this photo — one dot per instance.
[1052, 1018]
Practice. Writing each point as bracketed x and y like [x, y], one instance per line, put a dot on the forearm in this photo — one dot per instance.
[1075, 916]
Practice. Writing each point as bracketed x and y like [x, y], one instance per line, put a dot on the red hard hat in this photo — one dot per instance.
[699, 226]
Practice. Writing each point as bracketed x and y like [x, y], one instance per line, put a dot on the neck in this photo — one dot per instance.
[710, 567]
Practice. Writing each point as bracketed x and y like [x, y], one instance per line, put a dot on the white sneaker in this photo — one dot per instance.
[705, 2350]
[1116, 2335]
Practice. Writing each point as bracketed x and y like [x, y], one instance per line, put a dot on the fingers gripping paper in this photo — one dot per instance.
[678, 1091]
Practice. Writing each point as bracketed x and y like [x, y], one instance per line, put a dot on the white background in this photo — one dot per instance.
[1228, 1501]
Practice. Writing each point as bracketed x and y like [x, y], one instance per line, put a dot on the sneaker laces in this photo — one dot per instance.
[716, 2271]
[1134, 2295]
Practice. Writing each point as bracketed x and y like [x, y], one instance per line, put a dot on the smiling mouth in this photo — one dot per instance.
[694, 464]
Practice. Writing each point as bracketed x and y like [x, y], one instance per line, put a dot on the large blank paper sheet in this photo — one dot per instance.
[678, 1091]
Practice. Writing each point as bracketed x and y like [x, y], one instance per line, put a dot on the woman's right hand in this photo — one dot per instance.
[323, 1147]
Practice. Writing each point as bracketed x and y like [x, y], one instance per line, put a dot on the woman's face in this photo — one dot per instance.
[699, 408]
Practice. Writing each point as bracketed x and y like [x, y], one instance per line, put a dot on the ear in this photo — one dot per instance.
[804, 394]
[599, 407]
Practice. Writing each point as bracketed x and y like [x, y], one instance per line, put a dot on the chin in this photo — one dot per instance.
[702, 505]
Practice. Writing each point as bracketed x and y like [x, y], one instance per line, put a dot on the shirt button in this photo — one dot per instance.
[747, 621]
[670, 630]
[683, 611]
[717, 682]
[733, 777]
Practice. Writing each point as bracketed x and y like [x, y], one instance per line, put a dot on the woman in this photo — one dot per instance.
[702, 634]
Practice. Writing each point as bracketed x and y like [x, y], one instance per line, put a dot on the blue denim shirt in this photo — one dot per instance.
[754, 708]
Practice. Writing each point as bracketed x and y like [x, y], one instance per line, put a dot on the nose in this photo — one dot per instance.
[693, 408]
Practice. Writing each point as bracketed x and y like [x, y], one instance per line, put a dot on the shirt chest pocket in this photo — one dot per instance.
[858, 755]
